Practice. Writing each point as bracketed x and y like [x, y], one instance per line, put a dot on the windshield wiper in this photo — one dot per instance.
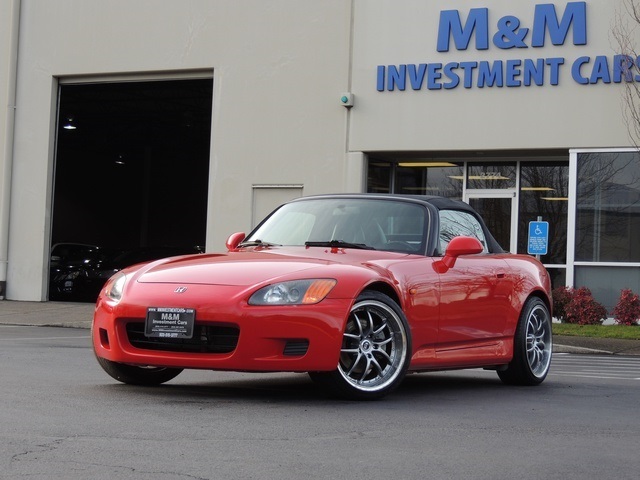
[258, 243]
[338, 244]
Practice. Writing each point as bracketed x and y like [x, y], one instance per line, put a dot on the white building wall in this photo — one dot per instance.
[279, 67]
[9, 33]
[388, 32]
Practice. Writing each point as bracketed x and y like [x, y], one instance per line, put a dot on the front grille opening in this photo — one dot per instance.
[296, 348]
[206, 339]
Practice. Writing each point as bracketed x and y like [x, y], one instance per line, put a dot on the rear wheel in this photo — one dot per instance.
[375, 351]
[135, 375]
[533, 345]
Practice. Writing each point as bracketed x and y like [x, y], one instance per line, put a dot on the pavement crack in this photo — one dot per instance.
[38, 449]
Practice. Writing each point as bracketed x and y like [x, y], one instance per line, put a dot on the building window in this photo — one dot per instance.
[608, 207]
[544, 192]
[606, 282]
[379, 177]
[444, 179]
[416, 177]
[492, 175]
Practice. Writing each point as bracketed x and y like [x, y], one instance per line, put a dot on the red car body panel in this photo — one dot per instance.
[462, 317]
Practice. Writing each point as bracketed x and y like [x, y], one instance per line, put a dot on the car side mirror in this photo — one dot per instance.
[234, 240]
[457, 247]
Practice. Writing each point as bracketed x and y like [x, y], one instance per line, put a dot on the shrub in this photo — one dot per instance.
[627, 311]
[561, 298]
[583, 309]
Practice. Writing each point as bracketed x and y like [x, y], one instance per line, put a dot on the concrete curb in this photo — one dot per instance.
[559, 348]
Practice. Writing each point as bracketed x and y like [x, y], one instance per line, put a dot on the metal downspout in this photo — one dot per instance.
[7, 163]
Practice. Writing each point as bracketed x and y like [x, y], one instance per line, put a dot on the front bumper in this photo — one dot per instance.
[229, 334]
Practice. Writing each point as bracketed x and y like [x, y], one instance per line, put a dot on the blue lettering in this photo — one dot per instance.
[555, 63]
[490, 75]
[499, 73]
[416, 75]
[380, 78]
[467, 68]
[600, 70]
[533, 71]
[434, 74]
[510, 34]
[512, 73]
[453, 76]
[450, 25]
[622, 66]
[396, 76]
[575, 70]
[545, 19]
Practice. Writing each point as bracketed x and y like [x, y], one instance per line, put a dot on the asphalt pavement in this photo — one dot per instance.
[79, 315]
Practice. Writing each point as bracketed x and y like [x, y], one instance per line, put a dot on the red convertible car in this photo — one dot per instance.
[356, 289]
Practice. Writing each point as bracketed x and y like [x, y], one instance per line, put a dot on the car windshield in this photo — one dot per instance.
[345, 222]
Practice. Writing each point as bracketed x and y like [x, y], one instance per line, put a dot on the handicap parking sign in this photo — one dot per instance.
[538, 238]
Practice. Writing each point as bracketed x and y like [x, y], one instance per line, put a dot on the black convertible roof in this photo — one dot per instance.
[441, 203]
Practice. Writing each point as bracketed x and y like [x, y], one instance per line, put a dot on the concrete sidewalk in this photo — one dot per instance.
[79, 315]
[52, 314]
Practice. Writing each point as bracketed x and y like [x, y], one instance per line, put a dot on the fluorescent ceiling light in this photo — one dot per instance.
[488, 177]
[537, 189]
[69, 124]
[480, 177]
[556, 199]
[427, 164]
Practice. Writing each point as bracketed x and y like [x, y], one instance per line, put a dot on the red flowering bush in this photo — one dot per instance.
[627, 311]
[561, 298]
[583, 309]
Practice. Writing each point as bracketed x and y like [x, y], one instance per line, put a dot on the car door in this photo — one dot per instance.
[474, 296]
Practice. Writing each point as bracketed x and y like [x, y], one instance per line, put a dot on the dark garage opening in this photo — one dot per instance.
[131, 178]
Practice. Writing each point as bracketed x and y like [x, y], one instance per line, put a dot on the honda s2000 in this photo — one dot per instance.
[356, 290]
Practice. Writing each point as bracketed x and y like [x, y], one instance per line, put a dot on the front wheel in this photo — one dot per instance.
[134, 375]
[533, 345]
[375, 351]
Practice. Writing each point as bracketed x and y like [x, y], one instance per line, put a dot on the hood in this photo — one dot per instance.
[254, 266]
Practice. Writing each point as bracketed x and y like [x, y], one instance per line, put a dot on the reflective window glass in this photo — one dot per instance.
[492, 176]
[454, 223]
[378, 176]
[606, 282]
[544, 192]
[608, 207]
[443, 179]
[496, 213]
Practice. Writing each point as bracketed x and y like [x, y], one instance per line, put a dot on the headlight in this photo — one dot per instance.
[297, 292]
[115, 286]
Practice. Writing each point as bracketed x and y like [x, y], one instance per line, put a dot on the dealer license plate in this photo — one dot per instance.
[169, 322]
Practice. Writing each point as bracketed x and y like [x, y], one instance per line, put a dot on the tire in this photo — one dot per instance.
[375, 352]
[533, 346]
[133, 375]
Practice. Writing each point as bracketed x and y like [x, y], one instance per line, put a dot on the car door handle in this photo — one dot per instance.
[500, 275]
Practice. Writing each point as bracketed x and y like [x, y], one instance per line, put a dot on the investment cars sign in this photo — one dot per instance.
[478, 29]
